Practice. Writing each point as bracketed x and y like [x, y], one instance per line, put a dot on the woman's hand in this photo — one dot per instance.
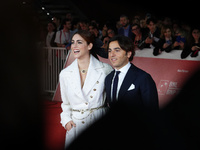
[176, 44]
[149, 40]
[69, 125]
[194, 48]
[165, 45]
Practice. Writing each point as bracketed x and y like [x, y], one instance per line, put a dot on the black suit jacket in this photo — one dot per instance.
[143, 96]
[155, 34]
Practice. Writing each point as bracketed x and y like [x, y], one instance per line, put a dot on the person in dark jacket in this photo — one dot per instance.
[166, 42]
[193, 46]
[139, 36]
[126, 27]
[135, 87]
[153, 36]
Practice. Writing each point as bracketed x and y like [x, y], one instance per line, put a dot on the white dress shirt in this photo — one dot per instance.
[122, 75]
[63, 37]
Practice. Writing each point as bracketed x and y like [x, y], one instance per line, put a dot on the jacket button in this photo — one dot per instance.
[97, 82]
[91, 96]
[86, 103]
[94, 89]
[83, 122]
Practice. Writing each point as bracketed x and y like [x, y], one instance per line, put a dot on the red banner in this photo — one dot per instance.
[168, 71]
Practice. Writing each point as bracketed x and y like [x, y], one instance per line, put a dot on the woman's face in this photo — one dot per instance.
[196, 34]
[168, 33]
[50, 27]
[135, 30]
[79, 47]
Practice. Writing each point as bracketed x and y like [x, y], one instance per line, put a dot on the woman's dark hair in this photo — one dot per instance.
[86, 35]
[64, 22]
[125, 43]
[135, 24]
[152, 19]
[55, 27]
[89, 38]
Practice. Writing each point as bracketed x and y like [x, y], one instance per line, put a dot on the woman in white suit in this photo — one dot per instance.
[82, 87]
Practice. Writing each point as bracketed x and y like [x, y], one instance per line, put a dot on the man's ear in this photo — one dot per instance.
[90, 46]
[129, 53]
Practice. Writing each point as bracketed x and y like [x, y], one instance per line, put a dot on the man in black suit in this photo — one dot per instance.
[135, 87]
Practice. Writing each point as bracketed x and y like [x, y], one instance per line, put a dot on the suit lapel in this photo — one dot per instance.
[108, 85]
[128, 80]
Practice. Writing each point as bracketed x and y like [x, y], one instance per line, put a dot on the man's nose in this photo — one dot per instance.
[112, 53]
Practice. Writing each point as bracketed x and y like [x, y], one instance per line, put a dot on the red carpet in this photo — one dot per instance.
[54, 133]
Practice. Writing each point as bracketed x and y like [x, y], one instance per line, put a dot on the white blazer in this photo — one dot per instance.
[92, 95]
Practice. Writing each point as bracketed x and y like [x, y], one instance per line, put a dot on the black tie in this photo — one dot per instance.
[115, 83]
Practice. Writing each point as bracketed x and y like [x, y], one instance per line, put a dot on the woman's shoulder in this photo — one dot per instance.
[69, 68]
[106, 67]
[101, 64]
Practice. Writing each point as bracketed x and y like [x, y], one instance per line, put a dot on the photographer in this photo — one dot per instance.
[181, 36]
[153, 35]
[63, 36]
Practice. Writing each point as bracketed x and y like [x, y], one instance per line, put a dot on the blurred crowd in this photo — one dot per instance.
[160, 35]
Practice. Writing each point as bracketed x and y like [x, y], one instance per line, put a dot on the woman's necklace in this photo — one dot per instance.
[83, 71]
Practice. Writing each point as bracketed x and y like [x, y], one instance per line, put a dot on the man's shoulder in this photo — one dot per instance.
[140, 72]
[110, 75]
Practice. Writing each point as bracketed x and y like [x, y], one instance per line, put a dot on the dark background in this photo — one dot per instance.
[185, 11]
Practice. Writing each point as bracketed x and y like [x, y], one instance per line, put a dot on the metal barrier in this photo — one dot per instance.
[54, 60]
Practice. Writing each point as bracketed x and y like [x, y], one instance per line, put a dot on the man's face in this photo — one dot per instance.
[83, 26]
[68, 25]
[117, 56]
[124, 21]
[91, 29]
[151, 26]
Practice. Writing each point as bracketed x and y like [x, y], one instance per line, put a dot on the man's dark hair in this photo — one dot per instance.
[152, 19]
[123, 15]
[125, 43]
[64, 22]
